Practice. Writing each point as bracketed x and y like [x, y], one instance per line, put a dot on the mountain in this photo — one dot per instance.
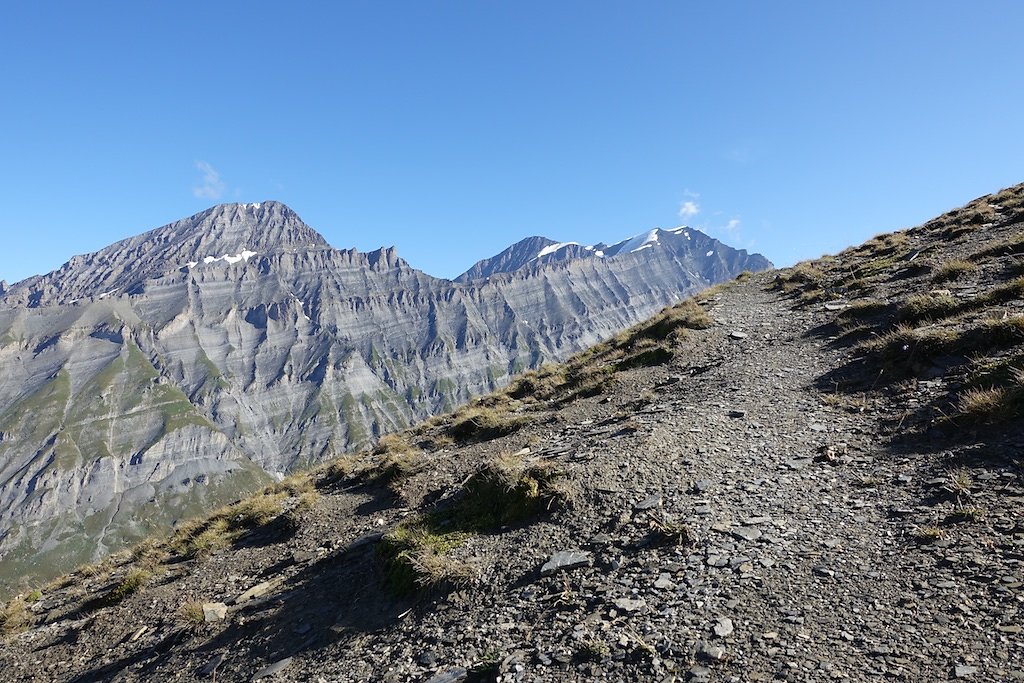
[807, 474]
[702, 253]
[184, 367]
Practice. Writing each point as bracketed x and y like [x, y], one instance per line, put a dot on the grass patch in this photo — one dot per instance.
[906, 351]
[200, 538]
[994, 404]
[14, 617]
[799, 276]
[1009, 246]
[1011, 291]
[953, 269]
[860, 310]
[506, 490]
[130, 584]
[192, 613]
[966, 515]
[481, 423]
[921, 307]
[928, 535]
[687, 315]
[415, 556]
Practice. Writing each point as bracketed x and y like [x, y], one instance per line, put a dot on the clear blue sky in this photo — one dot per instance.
[452, 129]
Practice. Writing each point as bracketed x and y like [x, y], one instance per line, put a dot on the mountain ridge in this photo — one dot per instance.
[796, 475]
[242, 334]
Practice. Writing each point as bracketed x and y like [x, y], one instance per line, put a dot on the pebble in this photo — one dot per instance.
[723, 627]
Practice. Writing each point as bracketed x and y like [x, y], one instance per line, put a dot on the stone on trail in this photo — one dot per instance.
[630, 605]
[275, 668]
[214, 611]
[450, 676]
[565, 559]
[651, 501]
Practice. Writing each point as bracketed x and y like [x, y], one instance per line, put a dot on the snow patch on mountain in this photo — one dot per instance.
[552, 248]
[243, 255]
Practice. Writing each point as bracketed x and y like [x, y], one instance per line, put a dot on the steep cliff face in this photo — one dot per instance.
[188, 365]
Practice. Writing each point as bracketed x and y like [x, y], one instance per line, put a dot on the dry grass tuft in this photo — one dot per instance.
[1010, 246]
[799, 276]
[930, 534]
[953, 269]
[130, 584]
[14, 617]
[995, 403]
[479, 423]
[921, 307]
[200, 538]
[416, 555]
[192, 613]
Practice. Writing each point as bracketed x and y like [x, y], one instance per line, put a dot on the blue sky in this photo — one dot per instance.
[452, 129]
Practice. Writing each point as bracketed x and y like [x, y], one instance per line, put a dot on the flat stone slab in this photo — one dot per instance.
[746, 533]
[259, 590]
[450, 676]
[565, 559]
[630, 605]
[277, 667]
[651, 501]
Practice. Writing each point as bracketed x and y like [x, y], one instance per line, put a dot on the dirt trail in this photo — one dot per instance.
[813, 555]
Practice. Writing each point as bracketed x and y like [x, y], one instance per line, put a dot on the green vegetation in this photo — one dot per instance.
[930, 534]
[192, 613]
[199, 538]
[483, 423]
[860, 310]
[506, 490]
[1011, 245]
[996, 403]
[130, 584]
[920, 307]
[966, 515]
[14, 617]
[953, 269]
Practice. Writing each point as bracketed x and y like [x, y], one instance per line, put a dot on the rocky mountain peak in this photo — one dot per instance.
[266, 226]
[703, 252]
[225, 234]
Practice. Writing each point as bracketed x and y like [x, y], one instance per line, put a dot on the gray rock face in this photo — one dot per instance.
[692, 249]
[185, 367]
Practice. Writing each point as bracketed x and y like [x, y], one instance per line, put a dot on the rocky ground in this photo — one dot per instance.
[772, 503]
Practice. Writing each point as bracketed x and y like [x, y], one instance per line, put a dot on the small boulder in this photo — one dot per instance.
[214, 611]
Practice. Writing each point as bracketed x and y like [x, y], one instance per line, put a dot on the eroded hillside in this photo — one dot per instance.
[804, 475]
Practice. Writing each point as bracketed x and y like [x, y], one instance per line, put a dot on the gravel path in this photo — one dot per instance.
[820, 550]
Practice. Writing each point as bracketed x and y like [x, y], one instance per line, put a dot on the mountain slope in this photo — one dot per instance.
[185, 367]
[742, 488]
